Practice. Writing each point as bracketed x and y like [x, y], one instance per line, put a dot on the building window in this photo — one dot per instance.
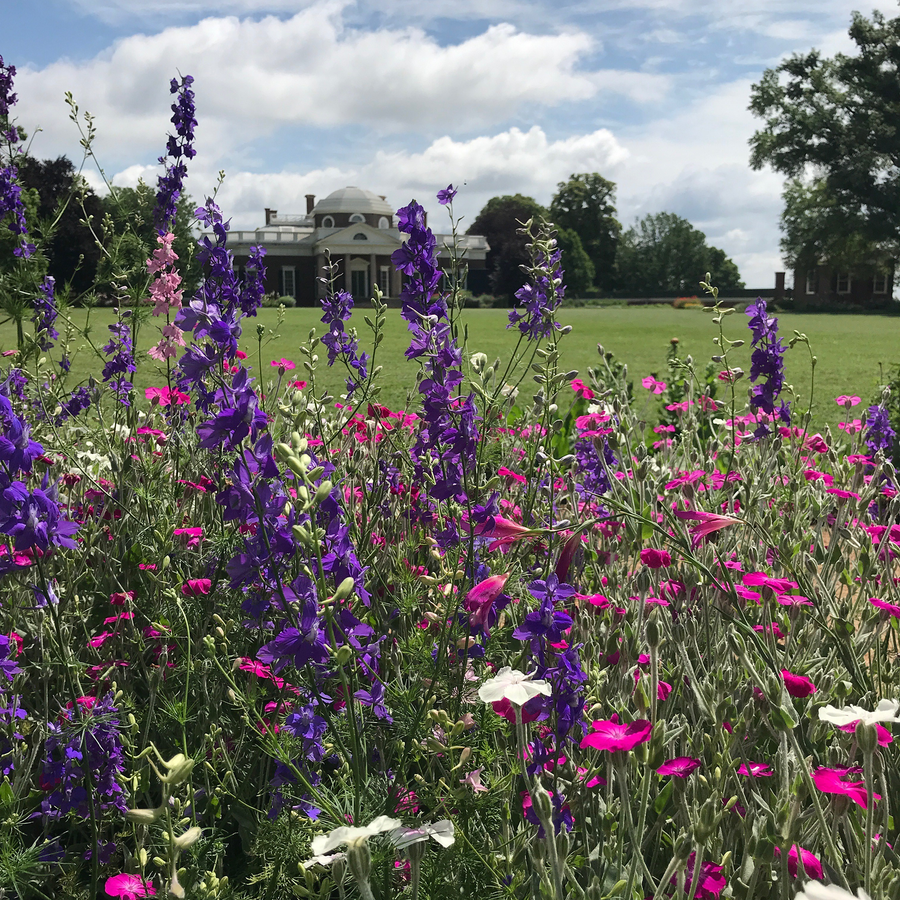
[328, 222]
[357, 219]
[288, 282]
[843, 283]
[359, 236]
[811, 281]
[384, 280]
[880, 283]
[384, 223]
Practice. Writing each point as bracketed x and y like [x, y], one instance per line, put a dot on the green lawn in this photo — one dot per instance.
[850, 348]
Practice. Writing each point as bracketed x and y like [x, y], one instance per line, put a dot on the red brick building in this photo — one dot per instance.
[357, 228]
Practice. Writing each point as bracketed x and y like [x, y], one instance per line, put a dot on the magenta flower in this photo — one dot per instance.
[707, 522]
[829, 781]
[755, 770]
[844, 400]
[891, 608]
[128, 887]
[196, 586]
[884, 736]
[797, 685]
[480, 600]
[655, 559]
[811, 863]
[284, 365]
[681, 766]
[710, 884]
[611, 735]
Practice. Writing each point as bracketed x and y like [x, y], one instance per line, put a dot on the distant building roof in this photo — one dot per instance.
[353, 200]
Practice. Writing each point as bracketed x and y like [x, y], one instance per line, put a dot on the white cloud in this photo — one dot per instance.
[253, 77]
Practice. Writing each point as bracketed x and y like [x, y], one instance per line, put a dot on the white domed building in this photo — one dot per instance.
[357, 228]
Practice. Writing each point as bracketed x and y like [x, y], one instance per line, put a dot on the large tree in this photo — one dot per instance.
[64, 203]
[500, 222]
[664, 252]
[132, 237]
[586, 205]
[833, 124]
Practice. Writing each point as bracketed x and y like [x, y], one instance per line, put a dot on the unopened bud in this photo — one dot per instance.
[866, 736]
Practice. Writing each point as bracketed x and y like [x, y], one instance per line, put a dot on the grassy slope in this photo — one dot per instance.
[849, 348]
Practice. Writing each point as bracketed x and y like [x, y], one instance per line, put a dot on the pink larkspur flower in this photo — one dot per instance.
[611, 736]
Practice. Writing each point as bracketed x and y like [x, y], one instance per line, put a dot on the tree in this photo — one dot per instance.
[664, 252]
[499, 221]
[585, 204]
[132, 237]
[833, 124]
[816, 227]
[65, 201]
[577, 265]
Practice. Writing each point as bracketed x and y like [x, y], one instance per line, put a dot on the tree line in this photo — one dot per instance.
[662, 252]
[91, 243]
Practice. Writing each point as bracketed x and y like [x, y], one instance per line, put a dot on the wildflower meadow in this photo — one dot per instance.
[261, 642]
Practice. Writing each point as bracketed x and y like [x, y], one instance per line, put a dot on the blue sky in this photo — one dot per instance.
[403, 96]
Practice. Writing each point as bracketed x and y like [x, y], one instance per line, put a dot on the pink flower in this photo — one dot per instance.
[121, 598]
[797, 685]
[191, 536]
[828, 781]
[655, 559]
[128, 887]
[707, 522]
[884, 736]
[165, 396]
[298, 384]
[853, 427]
[844, 400]
[284, 365]
[611, 735]
[581, 389]
[891, 608]
[755, 770]
[196, 586]
[503, 472]
[710, 884]
[473, 780]
[480, 600]
[653, 385]
[811, 864]
[681, 766]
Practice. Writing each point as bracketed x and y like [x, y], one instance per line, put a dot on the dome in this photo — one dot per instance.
[353, 200]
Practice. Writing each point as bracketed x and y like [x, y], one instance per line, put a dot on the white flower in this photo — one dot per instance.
[512, 685]
[351, 835]
[886, 711]
[441, 831]
[324, 860]
[815, 890]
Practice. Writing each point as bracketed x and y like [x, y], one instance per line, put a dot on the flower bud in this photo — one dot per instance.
[144, 816]
[180, 768]
[866, 736]
[652, 632]
[345, 588]
[543, 805]
[190, 837]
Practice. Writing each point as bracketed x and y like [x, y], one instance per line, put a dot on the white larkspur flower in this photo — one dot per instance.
[351, 835]
[815, 890]
[441, 831]
[513, 685]
[886, 711]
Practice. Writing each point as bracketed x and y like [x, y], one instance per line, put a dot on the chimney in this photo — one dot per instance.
[310, 203]
[271, 215]
[779, 285]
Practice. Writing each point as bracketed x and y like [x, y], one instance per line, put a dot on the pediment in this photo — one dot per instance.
[345, 240]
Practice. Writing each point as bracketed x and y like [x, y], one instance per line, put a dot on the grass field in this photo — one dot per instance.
[852, 350]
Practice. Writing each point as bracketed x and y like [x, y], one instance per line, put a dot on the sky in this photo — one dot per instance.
[402, 97]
